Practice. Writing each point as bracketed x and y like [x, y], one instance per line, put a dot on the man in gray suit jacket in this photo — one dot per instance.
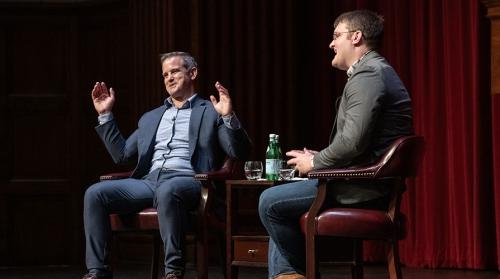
[374, 110]
[184, 136]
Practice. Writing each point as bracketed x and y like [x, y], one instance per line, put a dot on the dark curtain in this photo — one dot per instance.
[274, 58]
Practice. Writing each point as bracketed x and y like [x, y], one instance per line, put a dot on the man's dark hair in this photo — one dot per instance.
[368, 22]
[188, 60]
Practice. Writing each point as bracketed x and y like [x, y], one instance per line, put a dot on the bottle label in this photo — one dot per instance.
[272, 168]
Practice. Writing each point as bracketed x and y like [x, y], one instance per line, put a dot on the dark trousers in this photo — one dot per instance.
[280, 208]
[173, 194]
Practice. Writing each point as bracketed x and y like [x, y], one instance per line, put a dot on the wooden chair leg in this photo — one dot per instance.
[311, 261]
[393, 264]
[357, 265]
[202, 254]
[155, 257]
[221, 247]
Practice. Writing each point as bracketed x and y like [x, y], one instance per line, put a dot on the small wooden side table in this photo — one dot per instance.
[246, 239]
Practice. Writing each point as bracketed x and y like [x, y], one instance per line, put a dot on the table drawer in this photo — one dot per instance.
[250, 250]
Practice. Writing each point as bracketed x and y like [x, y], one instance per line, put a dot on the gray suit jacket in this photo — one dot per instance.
[374, 110]
[209, 139]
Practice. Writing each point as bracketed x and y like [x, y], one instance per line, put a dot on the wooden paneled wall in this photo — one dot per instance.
[272, 55]
[51, 54]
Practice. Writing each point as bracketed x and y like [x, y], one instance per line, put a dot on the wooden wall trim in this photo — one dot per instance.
[493, 14]
[491, 3]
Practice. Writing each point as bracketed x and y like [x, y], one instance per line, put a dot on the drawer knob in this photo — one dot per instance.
[252, 252]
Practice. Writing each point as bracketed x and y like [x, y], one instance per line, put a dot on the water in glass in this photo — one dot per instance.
[286, 172]
[253, 170]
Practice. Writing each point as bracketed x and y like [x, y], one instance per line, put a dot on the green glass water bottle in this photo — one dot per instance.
[280, 154]
[272, 159]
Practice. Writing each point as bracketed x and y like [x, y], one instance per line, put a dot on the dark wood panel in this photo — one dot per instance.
[37, 55]
[39, 145]
[104, 47]
[3, 107]
[495, 50]
[36, 88]
[3, 227]
[39, 186]
[50, 59]
[40, 235]
[36, 104]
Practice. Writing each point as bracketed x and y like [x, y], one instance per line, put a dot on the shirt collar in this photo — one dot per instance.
[353, 66]
[169, 103]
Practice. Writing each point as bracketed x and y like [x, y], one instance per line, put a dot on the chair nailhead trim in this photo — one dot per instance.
[345, 174]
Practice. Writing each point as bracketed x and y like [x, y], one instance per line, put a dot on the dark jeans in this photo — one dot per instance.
[173, 194]
[280, 209]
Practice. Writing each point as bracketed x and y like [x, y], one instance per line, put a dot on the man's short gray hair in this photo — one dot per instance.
[188, 60]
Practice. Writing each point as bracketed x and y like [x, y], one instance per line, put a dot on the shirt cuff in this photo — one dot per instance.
[231, 121]
[104, 118]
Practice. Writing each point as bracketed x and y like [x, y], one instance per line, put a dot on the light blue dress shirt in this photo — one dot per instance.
[171, 148]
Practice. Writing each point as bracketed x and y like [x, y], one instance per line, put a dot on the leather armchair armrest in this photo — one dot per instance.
[115, 175]
[232, 169]
[343, 173]
[221, 174]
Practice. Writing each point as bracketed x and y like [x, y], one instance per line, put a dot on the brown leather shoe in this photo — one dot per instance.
[98, 276]
[290, 276]
[173, 275]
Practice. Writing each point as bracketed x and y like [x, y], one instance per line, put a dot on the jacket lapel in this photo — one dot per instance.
[198, 108]
[150, 130]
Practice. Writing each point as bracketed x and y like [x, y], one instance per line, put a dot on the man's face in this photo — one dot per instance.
[342, 46]
[178, 80]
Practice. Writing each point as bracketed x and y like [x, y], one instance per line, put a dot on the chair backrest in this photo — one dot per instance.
[234, 168]
[402, 158]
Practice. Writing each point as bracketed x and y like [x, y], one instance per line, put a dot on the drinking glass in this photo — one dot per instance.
[253, 170]
[286, 171]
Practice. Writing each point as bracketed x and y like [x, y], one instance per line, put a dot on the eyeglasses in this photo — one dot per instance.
[336, 35]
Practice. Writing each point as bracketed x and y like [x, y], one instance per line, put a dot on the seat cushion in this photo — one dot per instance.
[356, 223]
[146, 219]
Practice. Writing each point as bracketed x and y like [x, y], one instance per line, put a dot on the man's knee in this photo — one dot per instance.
[92, 193]
[265, 201]
[178, 191]
[164, 194]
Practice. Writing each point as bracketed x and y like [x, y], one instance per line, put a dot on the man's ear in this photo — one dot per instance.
[356, 37]
[193, 73]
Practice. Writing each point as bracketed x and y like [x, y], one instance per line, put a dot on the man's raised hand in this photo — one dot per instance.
[103, 98]
[223, 106]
